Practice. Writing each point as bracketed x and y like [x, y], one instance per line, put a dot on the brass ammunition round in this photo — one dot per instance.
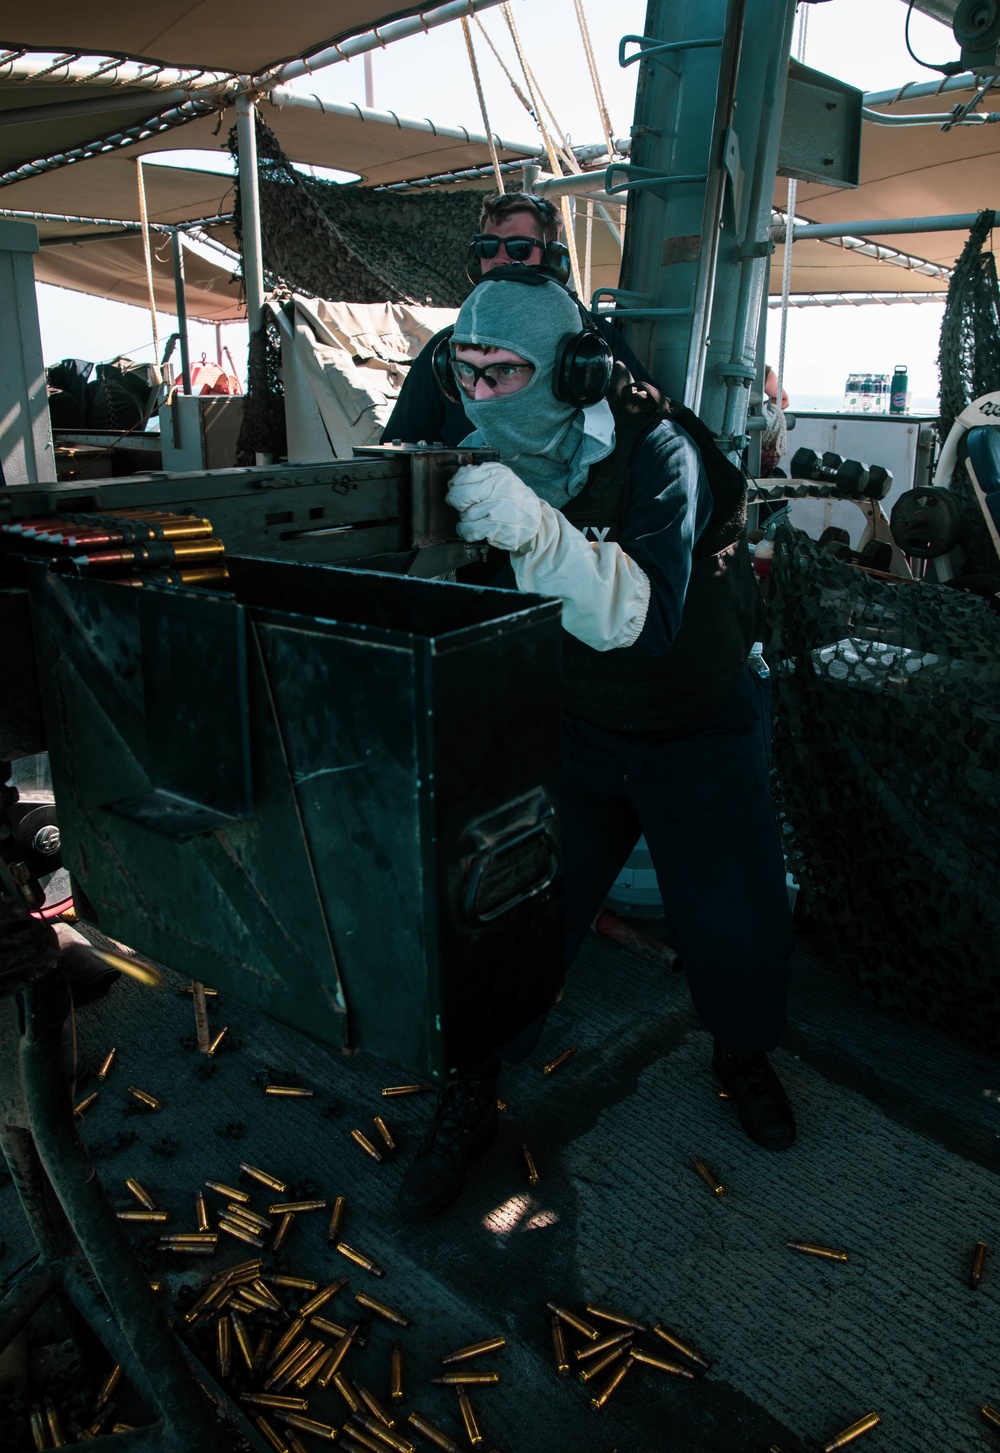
[466, 1379]
[209, 993]
[990, 1414]
[134, 968]
[297, 1283]
[230, 1192]
[502, 1106]
[223, 1346]
[281, 1235]
[572, 1320]
[559, 1348]
[333, 1361]
[433, 1434]
[347, 1392]
[38, 1430]
[145, 1097]
[809, 1248]
[638, 1354]
[384, 1435]
[291, 1366]
[108, 1386]
[336, 1217]
[621, 1319]
[141, 1195]
[323, 1296]
[685, 1348]
[190, 1238]
[559, 1061]
[255, 1301]
[474, 1349]
[366, 1145]
[290, 1335]
[200, 1210]
[598, 1401]
[712, 1181]
[271, 1434]
[358, 1439]
[218, 1039]
[385, 1132]
[290, 1092]
[254, 1173]
[242, 1339]
[106, 1063]
[54, 1424]
[848, 1435]
[233, 1228]
[237, 1211]
[263, 1350]
[396, 1372]
[187, 1248]
[979, 1253]
[295, 1443]
[359, 1259]
[310, 1369]
[472, 1432]
[404, 1090]
[159, 1216]
[85, 1104]
[285, 1208]
[597, 1349]
[205, 1301]
[532, 1169]
[307, 1425]
[239, 1303]
[381, 1309]
[275, 1400]
[601, 1364]
[265, 1291]
[332, 1329]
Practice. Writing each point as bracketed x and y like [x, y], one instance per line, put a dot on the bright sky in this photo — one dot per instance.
[860, 41]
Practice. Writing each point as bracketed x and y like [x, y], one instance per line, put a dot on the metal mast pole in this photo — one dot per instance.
[177, 248]
[253, 267]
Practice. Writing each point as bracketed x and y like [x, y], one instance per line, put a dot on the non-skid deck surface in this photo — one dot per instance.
[896, 1163]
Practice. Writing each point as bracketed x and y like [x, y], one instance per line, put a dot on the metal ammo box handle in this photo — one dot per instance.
[487, 856]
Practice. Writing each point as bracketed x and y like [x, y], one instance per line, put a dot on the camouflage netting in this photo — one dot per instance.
[352, 244]
[887, 752]
[969, 363]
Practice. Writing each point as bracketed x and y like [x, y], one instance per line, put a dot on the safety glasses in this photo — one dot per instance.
[502, 378]
[518, 249]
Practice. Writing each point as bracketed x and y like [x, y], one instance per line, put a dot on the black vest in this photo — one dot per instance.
[623, 690]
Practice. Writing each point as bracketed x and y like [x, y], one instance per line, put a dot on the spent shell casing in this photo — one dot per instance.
[810, 1248]
[54, 1424]
[396, 1372]
[532, 1169]
[650, 1359]
[991, 1415]
[239, 1232]
[572, 1320]
[256, 1174]
[404, 1090]
[190, 1238]
[290, 1092]
[601, 1364]
[289, 1337]
[559, 1347]
[712, 1181]
[275, 1400]
[679, 1345]
[978, 1264]
[385, 1132]
[359, 1259]
[559, 1061]
[224, 1346]
[848, 1435]
[357, 1439]
[375, 1407]
[313, 1367]
[201, 1211]
[156, 1286]
[434, 1434]
[265, 1291]
[323, 1296]
[238, 1303]
[39, 1433]
[466, 1379]
[384, 1435]
[296, 1283]
[208, 993]
[253, 1301]
[293, 1208]
[346, 1390]
[295, 1443]
[159, 1216]
[474, 1349]
[239, 1212]
[502, 1106]
[85, 1104]
[292, 1365]
[107, 1387]
[600, 1398]
[205, 1301]
[284, 1227]
[271, 1434]
[336, 1217]
[620, 1319]
[332, 1329]
[145, 1097]
[307, 1425]
[335, 1358]
[366, 1145]
[187, 1248]
[605, 1344]
[263, 1350]
[472, 1432]
[242, 1339]
[141, 1195]
[218, 1039]
[381, 1309]
[107, 1062]
[230, 1192]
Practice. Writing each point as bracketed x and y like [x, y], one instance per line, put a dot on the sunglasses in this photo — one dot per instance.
[518, 249]
[502, 378]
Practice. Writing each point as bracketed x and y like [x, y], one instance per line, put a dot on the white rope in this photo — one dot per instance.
[786, 270]
[144, 220]
[482, 103]
[594, 76]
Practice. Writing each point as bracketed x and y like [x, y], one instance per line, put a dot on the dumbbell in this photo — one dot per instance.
[879, 482]
[849, 476]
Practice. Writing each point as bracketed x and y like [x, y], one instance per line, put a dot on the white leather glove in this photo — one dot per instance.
[495, 506]
[605, 595]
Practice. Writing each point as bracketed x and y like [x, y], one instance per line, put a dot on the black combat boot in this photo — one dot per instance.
[761, 1103]
[465, 1123]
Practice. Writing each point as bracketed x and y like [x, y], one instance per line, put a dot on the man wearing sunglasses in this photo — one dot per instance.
[631, 517]
[514, 227]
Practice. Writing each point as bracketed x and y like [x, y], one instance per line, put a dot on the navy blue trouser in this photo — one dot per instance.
[703, 803]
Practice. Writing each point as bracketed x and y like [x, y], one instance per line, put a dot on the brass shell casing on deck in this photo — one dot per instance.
[572, 1320]
[359, 1259]
[530, 1166]
[594, 1369]
[848, 1435]
[256, 1174]
[599, 1399]
[367, 1146]
[604, 1344]
[324, 1295]
[336, 1217]
[145, 1097]
[467, 1379]
[712, 1181]
[396, 1392]
[385, 1132]
[472, 1432]
[559, 1061]
[223, 1347]
[650, 1359]
[230, 1192]
[559, 1348]
[106, 1063]
[679, 1345]
[381, 1309]
[812, 1248]
[978, 1264]
[434, 1434]
[474, 1349]
[620, 1319]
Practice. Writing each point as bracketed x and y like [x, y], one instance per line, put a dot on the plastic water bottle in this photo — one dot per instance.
[900, 384]
[851, 392]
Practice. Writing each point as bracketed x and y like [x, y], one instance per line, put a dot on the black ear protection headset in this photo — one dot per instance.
[583, 363]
